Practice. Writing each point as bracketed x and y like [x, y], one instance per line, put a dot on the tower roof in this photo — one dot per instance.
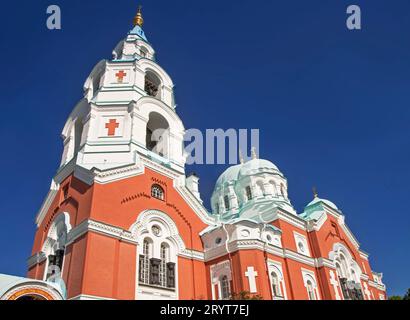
[137, 31]
[138, 22]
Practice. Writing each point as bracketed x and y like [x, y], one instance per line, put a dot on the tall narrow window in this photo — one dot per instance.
[276, 291]
[342, 280]
[143, 52]
[338, 270]
[310, 290]
[249, 193]
[163, 265]
[345, 289]
[225, 288]
[226, 200]
[171, 275]
[157, 192]
[65, 192]
[144, 262]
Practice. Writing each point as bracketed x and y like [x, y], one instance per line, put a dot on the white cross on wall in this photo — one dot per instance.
[335, 284]
[251, 274]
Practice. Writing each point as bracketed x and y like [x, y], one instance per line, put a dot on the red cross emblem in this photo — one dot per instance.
[111, 126]
[120, 75]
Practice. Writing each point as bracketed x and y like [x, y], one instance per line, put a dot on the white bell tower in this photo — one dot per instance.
[128, 112]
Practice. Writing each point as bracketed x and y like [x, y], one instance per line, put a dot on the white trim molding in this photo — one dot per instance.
[36, 258]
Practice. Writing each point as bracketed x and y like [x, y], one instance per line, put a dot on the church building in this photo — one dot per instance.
[122, 220]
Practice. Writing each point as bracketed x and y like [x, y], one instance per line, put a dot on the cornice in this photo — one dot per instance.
[172, 174]
[255, 244]
[364, 277]
[363, 255]
[102, 228]
[47, 203]
[299, 257]
[317, 225]
[108, 176]
[291, 218]
[350, 235]
[36, 259]
[324, 262]
[192, 254]
[195, 205]
[120, 234]
[378, 286]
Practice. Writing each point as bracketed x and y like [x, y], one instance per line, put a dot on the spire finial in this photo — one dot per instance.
[253, 152]
[138, 19]
[315, 192]
[241, 157]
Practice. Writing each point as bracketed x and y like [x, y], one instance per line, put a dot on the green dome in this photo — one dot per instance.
[229, 175]
[317, 200]
[256, 166]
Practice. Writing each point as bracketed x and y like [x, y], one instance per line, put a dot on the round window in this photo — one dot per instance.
[218, 241]
[156, 230]
[301, 247]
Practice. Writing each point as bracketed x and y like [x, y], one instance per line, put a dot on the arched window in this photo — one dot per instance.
[273, 186]
[310, 290]
[225, 288]
[348, 272]
[301, 247]
[158, 247]
[152, 85]
[226, 200]
[282, 190]
[249, 193]
[260, 188]
[276, 290]
[143, 52]
[157, 134]
[157, 192]
[145, 261]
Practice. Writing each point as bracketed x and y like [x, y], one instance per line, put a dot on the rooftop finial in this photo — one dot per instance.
[138, 19]
[241, 157]
[253, 151]
[315, 192]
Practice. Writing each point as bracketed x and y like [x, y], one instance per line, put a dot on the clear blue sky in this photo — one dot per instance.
[332, 105]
